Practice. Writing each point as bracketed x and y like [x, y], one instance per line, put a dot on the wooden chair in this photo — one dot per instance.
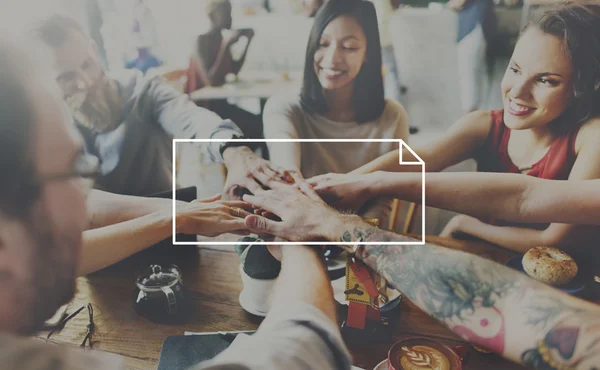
[410, 217]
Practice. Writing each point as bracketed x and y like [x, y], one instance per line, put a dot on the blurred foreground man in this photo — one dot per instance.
[45, 173]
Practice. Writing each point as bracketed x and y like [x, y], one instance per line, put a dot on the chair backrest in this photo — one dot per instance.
[410, 217]
[177, 78]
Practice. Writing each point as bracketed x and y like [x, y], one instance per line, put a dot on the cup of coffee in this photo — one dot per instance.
[425, 354]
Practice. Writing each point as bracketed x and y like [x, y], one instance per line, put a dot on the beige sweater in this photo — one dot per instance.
[284, 118]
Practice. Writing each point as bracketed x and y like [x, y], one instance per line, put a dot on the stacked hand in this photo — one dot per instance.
[212, 217]
[304, 216]
[248, 173]
[343, 191]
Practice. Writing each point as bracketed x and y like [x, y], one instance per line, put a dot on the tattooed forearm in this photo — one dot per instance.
[571, 335]
[448, 283]
[487, 303]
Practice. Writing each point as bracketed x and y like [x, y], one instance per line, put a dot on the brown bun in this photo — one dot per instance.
[549, 265]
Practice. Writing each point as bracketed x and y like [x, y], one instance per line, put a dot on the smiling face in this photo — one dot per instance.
[76, 66]
[341, 53]
[537, 87]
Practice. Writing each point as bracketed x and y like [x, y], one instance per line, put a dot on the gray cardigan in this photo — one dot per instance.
[137, 156]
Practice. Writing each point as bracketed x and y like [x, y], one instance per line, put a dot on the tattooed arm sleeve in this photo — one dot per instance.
[488, 304]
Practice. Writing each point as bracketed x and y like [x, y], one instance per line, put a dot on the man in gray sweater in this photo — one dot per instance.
[43, 214]
[128, 121]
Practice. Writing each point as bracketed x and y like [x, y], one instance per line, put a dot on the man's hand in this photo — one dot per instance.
[212, 217]
[247, 172]
[344, 192]
[304, 216]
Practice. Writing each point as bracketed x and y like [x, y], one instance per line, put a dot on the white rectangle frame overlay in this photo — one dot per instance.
[418, 162]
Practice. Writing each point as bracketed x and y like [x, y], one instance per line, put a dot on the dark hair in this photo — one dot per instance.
[17, 123]
[53, 31]
[368, 91]
[579, 28]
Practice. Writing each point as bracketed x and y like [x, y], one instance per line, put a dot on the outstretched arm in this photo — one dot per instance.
[302, 320]
[461, 142]
[509, 197]
[108, 208]
[103, 246]
[484, 302]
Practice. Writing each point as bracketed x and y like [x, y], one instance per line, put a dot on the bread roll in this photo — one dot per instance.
[549, 265]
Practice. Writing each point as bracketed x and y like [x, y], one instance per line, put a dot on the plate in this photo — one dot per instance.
[574, 286]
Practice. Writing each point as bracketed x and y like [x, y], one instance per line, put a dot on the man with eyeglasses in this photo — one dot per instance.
[128, 121]
[42, 215]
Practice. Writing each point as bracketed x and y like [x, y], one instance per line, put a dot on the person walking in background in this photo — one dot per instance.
[476, 28]
[144, 37]
[211, 61]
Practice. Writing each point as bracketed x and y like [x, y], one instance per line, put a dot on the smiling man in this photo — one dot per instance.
[127, 121]
[43, 214]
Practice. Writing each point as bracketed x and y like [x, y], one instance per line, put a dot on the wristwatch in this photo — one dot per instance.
[233, 144]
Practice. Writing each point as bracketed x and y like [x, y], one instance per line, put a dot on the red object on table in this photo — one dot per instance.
[359, 313]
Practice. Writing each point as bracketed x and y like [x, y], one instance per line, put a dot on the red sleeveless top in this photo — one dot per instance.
[555, 165]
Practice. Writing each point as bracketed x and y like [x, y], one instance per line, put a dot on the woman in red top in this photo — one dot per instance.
[549, 127]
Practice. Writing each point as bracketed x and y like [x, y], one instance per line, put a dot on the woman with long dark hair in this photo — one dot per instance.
[342, 97]
[549, 127]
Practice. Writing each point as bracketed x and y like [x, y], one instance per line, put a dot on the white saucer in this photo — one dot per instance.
[383, 365]
[255, 295]
[245, 303]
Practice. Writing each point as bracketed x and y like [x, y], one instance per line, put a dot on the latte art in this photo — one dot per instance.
[423, 358]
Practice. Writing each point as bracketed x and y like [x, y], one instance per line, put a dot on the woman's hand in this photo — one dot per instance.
[247, 172]
[212, 217]
[343, 191]
[459, 226]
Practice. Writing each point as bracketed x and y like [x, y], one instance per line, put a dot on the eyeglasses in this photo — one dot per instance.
[86, 168]
[91, 327]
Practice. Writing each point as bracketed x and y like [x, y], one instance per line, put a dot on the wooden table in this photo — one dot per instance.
[213, 280]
